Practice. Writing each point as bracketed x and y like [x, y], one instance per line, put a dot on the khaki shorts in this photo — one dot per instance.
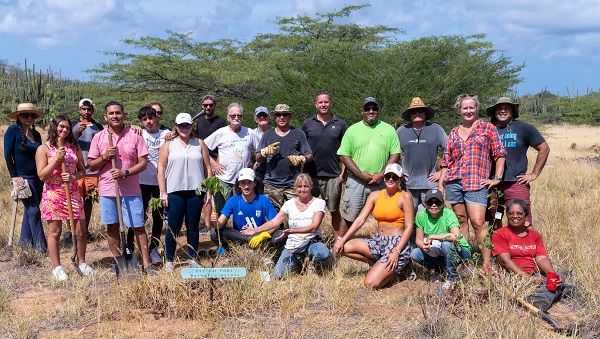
[330, 190]
[88, 183]
[355, 196]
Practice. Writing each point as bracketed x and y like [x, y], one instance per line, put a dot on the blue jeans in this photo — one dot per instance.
[317, 252]
[452, 258]
[183, 204]
[32, 231]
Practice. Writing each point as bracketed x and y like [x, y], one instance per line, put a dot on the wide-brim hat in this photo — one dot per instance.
[417, 103]
[282, 108]
[25, 108]
[491, 111]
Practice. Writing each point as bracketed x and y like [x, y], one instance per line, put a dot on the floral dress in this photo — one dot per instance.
[54, 197]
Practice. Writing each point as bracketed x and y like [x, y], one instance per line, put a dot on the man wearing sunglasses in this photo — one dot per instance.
[206, 126]
[440, 245]
[420, 141]
[235, 147]
[367, 147]
[324, 132]
[284, 149]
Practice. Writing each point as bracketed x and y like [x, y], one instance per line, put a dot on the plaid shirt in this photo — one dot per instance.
[471, 160]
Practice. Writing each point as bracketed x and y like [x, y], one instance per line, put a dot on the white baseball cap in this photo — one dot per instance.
[246, 174]
[393, 168]
[183, 118]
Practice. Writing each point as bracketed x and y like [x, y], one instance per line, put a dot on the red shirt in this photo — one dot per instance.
[522, 250]
[471, 160]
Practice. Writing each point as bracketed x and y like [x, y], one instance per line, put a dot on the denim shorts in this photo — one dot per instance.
[132, 207]
[455, 194]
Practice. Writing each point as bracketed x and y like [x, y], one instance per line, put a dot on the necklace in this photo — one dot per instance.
[281, 133]
[418, 134]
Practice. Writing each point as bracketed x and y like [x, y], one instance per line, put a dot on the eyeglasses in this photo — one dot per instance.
[391, 176]
[235, 116]
[184, 126]
[28, 115]
[432, 202]
[467, 95]
[208, 105]
[373, 108]
[519, 213]
[278, 115]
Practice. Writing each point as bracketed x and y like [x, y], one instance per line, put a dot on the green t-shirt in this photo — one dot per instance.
[441, 225]
[370, 147]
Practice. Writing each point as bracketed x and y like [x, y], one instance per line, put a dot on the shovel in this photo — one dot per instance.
[8, 252]
[127, 263]
[70, 210]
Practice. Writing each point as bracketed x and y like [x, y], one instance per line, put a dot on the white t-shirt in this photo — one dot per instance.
[297, 219]
[153, 142]
[235, 150]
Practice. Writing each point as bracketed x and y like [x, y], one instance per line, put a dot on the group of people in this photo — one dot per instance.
[275, 175]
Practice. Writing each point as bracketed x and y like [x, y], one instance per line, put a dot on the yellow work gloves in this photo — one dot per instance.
[257, 239]
[270, 149]
[296, 159]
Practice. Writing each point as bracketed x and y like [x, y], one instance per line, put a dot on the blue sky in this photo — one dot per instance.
[559, 41]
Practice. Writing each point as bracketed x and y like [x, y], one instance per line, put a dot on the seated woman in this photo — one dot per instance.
[439, 241]
[304, 214]
[250, 212]
[521, 250]
[387, 251]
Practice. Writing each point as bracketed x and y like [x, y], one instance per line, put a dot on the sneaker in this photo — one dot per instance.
[150, 270]
[169, 267]
[155, 257]
[59, 274]
[86, 269]
[193, 264]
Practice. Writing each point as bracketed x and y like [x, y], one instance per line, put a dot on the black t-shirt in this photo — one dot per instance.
[280, 171]
[516, 137]
[324, 141]
[206, 127]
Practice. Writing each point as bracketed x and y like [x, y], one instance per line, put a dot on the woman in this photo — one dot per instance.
[250, 212]
[21, 141]
[387, 251]
[521, 250]
[49, 159]
[466, 167]
[304, 214]
[439, 242]
[183, 163]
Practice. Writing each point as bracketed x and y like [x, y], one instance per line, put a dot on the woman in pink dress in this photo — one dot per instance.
[49, 158]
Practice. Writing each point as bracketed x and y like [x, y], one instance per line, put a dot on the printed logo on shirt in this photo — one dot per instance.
[523, 247]
[251, 222]
[240, 213]
[258, 213]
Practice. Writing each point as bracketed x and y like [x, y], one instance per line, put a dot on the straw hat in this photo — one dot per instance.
[417, 103]
[282, 108]
[25, 108]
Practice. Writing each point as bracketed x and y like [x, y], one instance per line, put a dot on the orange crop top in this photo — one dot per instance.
[386, 210]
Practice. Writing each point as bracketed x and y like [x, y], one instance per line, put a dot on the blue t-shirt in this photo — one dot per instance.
[253, 214]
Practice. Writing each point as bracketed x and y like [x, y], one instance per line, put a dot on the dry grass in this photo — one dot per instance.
[334, 304]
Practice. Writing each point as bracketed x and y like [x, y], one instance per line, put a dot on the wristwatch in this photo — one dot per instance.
[126, 173]
[495, 177]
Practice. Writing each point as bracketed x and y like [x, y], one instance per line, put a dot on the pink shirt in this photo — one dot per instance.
[130, 147]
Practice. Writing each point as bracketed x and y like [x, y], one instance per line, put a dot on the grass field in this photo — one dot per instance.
[332, 305]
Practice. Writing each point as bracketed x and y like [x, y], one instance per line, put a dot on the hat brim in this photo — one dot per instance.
[429, 115]
[13, 115]
[491, 111]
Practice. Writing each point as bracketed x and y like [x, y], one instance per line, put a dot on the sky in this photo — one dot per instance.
[557, 41]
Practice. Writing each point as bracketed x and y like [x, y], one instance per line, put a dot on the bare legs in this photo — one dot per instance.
[466, 212]
[378, 276]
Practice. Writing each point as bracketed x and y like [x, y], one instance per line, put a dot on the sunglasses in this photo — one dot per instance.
[418, 111]
[467, 96]
[432, 202]
[374, 109]
[516, 213]
[184, 126]
[159, 112]
[391, 176]
[208, 105]
[263, 115]
[235, 116]
[28, 115]
[278, 115]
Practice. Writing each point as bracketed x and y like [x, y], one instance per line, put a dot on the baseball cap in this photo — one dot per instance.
[246, 174]
[393, 168]
[183, 118]
[434, 193]
[86, 102]
[261, 109]
[370, 100]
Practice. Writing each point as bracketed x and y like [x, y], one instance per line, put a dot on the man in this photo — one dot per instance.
[367, 147]
[84, 130]
[324, 132]
[130, 153]
[235, 145]
[263, 120]
[420, 141]
[284, 149]
[206, 126]
[154, 136]
[517, 136]
[158, 107]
